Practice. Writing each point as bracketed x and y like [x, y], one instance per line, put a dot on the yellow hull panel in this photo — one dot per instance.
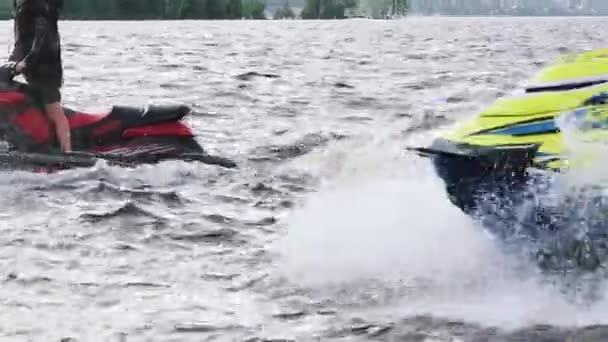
[533, 118]
[585, 65]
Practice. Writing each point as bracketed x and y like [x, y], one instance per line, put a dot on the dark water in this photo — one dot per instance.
[327, 231]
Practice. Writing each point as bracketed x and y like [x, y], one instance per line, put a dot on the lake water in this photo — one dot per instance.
[328, 229]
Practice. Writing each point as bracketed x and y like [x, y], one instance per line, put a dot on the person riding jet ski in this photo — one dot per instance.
[37, 55]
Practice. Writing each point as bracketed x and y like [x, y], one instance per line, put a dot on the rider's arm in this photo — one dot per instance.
[38, 11]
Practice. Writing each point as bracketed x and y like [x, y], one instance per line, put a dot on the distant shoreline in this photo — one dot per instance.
[414, 15]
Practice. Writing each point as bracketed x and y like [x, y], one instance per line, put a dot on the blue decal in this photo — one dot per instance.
[545, 154]
[597, 99]
[541, 127]
[585, 119]
[582, 119]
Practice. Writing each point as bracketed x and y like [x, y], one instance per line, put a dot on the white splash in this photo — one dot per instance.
[402, 229]
[586, 150]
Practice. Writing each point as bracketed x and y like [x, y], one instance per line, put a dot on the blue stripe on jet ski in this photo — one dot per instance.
[545, 154]
[542, 127]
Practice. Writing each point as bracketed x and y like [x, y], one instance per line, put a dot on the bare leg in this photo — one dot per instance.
[57, 116]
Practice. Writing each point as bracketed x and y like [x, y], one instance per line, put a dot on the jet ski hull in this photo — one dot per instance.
[51, 162]
[500, 165]
[494, 152]
[122, 135]
[471, 172]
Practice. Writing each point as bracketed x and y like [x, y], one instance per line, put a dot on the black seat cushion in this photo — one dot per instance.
[150, 114]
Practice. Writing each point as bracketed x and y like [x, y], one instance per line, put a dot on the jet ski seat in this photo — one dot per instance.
[150, 114]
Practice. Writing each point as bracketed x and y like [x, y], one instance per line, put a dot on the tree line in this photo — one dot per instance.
[163, 9]
[196, 9]
[153, 9]
[327, 9]
[339, 9]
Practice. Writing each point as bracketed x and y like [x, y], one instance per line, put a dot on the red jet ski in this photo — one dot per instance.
[123, 135]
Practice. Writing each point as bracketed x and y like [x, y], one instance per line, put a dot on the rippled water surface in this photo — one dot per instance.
[328, 229]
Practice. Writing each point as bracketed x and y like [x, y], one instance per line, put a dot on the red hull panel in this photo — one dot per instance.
[176, 129]
[34, 123]
[82, 119]
[13, 98]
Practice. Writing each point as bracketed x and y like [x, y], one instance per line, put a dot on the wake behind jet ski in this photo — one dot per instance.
[122, 135]
[497, 152]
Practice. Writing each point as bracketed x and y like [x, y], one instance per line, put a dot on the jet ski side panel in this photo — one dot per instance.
[517, 134]
[537, 103]
[491, 128]
[576, 69]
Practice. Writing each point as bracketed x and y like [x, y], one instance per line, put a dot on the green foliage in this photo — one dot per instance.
[254, 9]
[382, 8]
[284, 12]
[399, 7]
[155, 9]
[327, 9]
[6, 9]
[311, 10]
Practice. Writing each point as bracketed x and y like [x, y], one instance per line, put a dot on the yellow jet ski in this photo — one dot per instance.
[496, 150]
